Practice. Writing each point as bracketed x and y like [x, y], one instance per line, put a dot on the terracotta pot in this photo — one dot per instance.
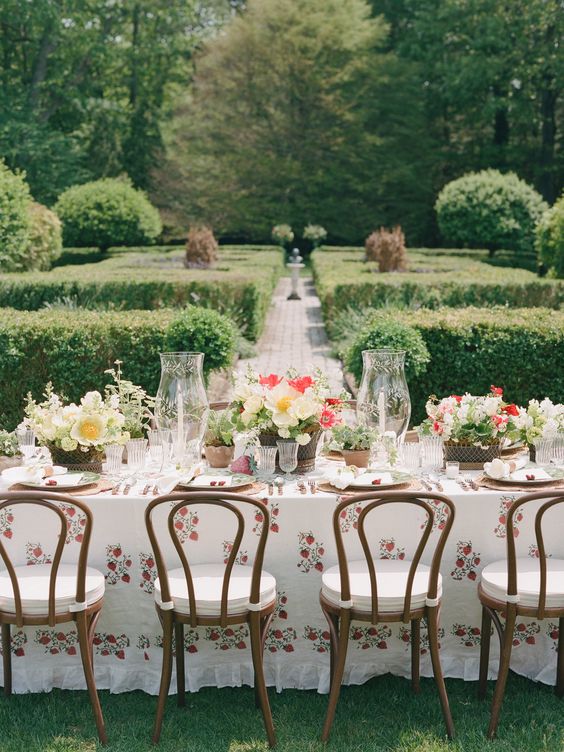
[306, 454]
[358, 457]
[219, 456]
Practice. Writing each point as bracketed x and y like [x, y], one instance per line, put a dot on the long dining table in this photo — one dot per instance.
[127, 645]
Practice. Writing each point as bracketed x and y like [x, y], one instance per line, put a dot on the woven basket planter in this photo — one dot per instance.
[471, 457]
[306, 454]
[77, 461]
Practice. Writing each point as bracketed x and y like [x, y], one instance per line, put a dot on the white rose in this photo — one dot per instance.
[91, 400]
[253, 404]
[283, 433]
[491, 406]
[303, 438]
[304, 407]
[68, 444]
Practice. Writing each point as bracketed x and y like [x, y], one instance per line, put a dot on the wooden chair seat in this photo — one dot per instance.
[208, 583]
[495, 575]
[34, 589]
[392, 584]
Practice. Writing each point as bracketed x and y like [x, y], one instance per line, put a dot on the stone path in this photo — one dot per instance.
[294, 335]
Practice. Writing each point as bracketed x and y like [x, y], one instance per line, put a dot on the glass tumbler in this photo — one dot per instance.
[114, 455]
[155, 447]
[433, 453]
[136, 453]
[26, 442]
[544, 449]
[266, 460]
[288, 455]
[411, 455]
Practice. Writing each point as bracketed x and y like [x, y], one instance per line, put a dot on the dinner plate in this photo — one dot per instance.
[554, 473]
[86, 479]
[397, 479]
[238, 480]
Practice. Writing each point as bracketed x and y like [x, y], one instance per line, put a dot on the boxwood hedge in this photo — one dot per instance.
[241, 284]
[73, 351]
[521, 350]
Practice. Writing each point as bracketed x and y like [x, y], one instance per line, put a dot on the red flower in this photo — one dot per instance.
[19, 652]
[229, 632]
[467, 550]
[312, 635]
[530, 640]
[283, 614]
[120, 654]
[327, 419]
[497, 391]
[309, 539]
[270, 381]
[319, 566]
[510, 409]
[333, 401]
[456, 397]
[288, 648]
[437, 428]
[301, 383]
[274, 527]
[192, 649]
[241, 645]
[471, 575]
[71, 650]
[382, 645]
[193, 536]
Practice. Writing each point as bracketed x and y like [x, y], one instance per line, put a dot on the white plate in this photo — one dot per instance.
[388, 480]
[519, 476]
[204, 482]
[67, 481]
[21, 473]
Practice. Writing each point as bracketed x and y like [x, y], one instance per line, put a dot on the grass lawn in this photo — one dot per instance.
[380, 715]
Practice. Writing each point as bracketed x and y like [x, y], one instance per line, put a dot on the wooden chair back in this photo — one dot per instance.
[378, 501]
[50, 502]
[227, 502]
[553, 498]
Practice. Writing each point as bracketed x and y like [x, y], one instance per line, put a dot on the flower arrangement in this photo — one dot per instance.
[316, 234]
[291, 407]
[540, 420]
[8, 444]
[282, 234]
[76, 429]
[132, 401]
[468, 420]
[220, 429]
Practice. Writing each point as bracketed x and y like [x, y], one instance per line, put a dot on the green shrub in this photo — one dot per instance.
[107, 212]
[74, 351]
[490, 210]
[45, 238]
[240, 285]
[15, 221]
[472, 348]
[382, 330]
[550, 238]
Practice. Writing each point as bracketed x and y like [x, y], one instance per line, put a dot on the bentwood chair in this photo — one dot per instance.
[53, 593]
[527, 586]
[385, 590]
[214, 594]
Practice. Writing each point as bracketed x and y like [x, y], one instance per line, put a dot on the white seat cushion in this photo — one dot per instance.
[494, 581]
[391, 580]
[208, 582]
[33, 581]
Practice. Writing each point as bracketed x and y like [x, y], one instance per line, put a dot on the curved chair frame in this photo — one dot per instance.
[340, 617]
[171, 620]
[85, 616]
[492, 607]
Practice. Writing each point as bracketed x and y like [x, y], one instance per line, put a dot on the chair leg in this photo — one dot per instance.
[504, 660]
[560, 663]
[85, 643]
[415, 654]
[260, 683]
[433, 633]
[7, 659]
[264, 625]
[180, 670]
[341, 657]
[484, 652]
[333, 623]
[166, 673]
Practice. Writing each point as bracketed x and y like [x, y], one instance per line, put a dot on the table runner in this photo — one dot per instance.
[300, 547]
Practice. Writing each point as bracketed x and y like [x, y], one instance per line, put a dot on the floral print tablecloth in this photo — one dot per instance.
[127, 649]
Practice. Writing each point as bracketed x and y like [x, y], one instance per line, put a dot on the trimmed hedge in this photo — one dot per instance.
[15, 220]
[550, 238]
[343, 280]
[73, 351]
[240, 285]
[521, 350]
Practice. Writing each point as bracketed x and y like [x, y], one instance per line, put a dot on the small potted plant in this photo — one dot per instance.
[354, 443]
[219, 446]
[9, 450]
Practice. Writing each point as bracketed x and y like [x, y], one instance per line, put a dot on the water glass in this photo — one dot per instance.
[26, 442]
[155, 447]
[266, 460]
[452, 470]
[114, 455]
[544, 449]
[167, 442]
[558, 450]
[433, 453]
[288, 455]
[411, 455]
[136, 453]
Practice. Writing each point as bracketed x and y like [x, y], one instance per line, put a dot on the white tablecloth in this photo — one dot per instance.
[299, 549]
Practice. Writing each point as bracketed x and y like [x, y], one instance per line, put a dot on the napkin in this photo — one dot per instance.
[63, 480]
[498, 469]
[341, 477]
[167, 482]
[366, 479]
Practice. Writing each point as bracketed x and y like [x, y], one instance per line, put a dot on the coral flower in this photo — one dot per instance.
[270, 381]
[328, 419]
[301, 383]
[497, 391]
[510, 409]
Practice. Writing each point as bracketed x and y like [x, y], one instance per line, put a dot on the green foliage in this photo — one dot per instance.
[75, 351]
[491, 210]
[107, 212]
[220, 428]
[383, 330]
[240, 285]
[9, 445]
[14, 219]
[550, 238]
[353, 437]
[343, 281]
[203, 330]
[45, 238]
[472, 348]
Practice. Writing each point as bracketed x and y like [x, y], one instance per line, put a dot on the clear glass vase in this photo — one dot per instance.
[383, 397]
[181, 404]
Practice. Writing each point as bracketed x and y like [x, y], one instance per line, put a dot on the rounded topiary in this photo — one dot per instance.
[382, 331]
[15, 221]
[203, 330]
[201, 248]
[107, 212]
[550, 238]
[490, 210]
[45, 238]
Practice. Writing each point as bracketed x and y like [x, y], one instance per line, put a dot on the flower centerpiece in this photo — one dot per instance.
[473, 427]
[538, 421]
[132, 401]
[76, 435]
[354, 443]
[282, 234]
[316, 234]
[9, 450]
[292, 407]
[219, 445]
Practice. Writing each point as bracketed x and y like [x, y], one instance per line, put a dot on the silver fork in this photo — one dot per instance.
[472, 483]
[463, 485]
